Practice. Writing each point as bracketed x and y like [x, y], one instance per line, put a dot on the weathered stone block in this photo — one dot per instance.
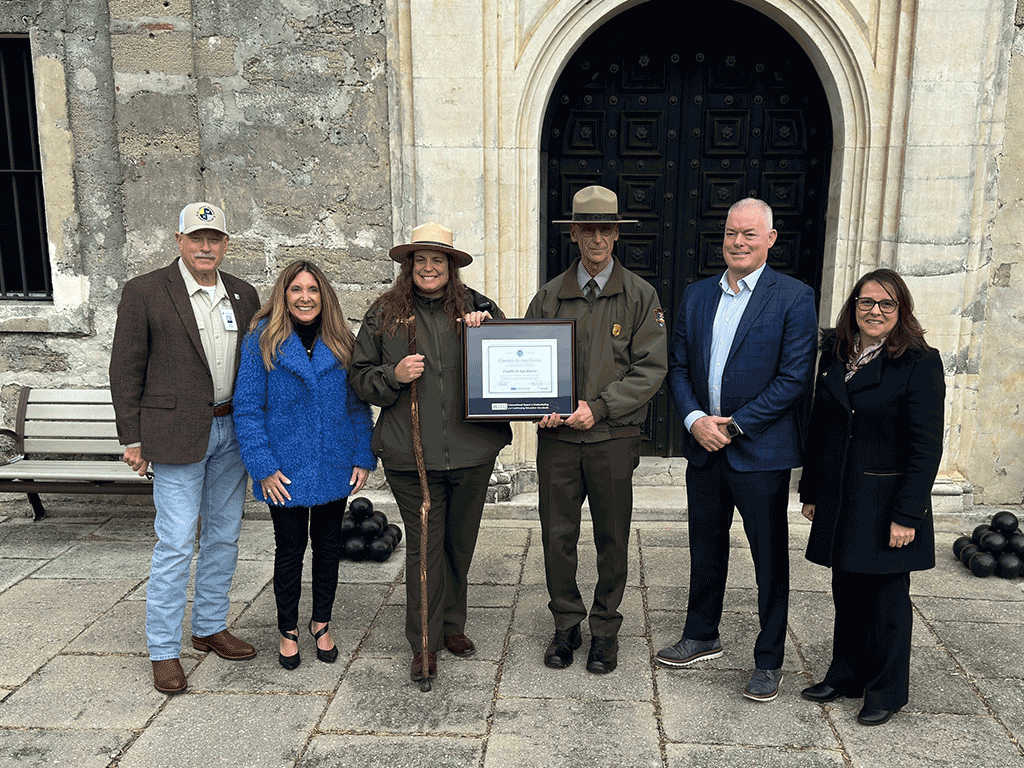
[166, 53]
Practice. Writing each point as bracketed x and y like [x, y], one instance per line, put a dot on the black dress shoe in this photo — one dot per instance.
[823, 692]
[559, 652]
[870, 716]
[604, 655]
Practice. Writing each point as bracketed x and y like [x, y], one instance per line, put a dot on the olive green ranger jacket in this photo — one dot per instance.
[449, 441]
[621, 349]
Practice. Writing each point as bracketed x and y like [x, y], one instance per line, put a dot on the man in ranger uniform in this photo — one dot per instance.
[621, 360]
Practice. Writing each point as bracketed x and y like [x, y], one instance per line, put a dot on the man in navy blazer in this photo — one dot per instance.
[740, 363]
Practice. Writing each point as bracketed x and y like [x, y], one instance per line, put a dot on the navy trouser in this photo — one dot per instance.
[712, 491]
[872, 635]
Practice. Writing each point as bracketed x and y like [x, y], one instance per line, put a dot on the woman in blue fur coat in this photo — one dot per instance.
[305, 440]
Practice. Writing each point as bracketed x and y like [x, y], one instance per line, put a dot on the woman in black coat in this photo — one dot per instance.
[873, 450]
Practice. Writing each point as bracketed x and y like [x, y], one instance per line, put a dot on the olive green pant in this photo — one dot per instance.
[457, 499]
[568, 473]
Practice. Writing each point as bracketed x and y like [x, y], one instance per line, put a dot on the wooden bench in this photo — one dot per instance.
[57, 433]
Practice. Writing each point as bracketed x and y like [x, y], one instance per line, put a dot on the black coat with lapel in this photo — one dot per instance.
[873, 452]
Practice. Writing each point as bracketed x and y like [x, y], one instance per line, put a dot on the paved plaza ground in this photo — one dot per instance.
[76, 685]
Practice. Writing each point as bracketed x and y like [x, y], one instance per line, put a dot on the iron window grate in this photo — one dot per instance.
[24, 257]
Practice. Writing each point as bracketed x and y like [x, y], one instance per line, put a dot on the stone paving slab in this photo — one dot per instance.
[525, 676]
[377, 696]
[39, 748]
[708, 707]
[911, 739]
[87, 692]
[41, 616]
[392, 751]
[573, 733]
[702, 756]
[227, 730]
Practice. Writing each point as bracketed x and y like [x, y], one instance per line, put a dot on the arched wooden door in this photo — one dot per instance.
[681, 119]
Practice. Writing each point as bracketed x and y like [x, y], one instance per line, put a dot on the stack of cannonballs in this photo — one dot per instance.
[366, 534]
[996, 548]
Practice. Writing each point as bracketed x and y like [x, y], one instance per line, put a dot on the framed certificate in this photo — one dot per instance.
[519, 370]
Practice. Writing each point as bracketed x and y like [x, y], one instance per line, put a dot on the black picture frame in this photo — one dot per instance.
[519, 370]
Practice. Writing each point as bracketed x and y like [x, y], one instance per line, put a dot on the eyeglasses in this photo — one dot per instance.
[888, 306]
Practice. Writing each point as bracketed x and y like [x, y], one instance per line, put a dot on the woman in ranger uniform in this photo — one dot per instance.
[459, 455]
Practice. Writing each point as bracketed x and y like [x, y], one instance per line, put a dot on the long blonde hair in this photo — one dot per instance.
[334, 332]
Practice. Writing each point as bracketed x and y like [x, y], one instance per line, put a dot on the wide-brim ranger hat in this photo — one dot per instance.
[431, 237]
[595, 205]
[195, 216]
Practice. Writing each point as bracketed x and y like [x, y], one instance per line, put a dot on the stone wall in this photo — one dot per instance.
[997, 426]
[275, 111]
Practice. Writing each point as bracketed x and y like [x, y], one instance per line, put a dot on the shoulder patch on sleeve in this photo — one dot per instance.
[659, 316]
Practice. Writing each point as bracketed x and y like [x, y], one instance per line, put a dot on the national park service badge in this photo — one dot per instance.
[616, 329]
[659, 316]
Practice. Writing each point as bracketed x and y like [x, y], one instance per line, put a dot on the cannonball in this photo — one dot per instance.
[396, 531]
[382, 517]
[959, 544]
[371, 528]
[355, 548]
[993, 542]
[982, 564]
[980, 531]
[360, 508]
[380, 549]
[1009, 566]
[968, 552]
[348, 525]
[1004, 522]
[1016, 544]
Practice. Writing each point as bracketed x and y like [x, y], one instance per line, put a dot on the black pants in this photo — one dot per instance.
[712, 491]
[568, 473]
[457, 499]
[293, 526]
[871, 640]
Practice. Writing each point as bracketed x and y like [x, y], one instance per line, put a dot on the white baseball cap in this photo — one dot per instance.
[201, 216]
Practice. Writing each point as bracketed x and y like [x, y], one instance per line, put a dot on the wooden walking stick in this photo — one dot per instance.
[417, 449]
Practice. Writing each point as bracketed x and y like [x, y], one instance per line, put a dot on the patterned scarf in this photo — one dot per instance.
[858, 359]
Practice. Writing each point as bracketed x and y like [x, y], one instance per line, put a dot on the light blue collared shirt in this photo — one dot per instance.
[727, 319]
[601, 278]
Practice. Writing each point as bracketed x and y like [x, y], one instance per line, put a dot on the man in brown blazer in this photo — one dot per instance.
[172, 371]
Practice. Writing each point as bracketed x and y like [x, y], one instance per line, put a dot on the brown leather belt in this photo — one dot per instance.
[224, 409]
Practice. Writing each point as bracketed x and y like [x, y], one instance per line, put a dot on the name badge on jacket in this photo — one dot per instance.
[227, 314]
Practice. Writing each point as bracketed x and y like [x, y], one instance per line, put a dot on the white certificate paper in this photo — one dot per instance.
[524, 368]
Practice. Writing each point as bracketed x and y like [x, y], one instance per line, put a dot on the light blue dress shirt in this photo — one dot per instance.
[601, 278]
[727, 319]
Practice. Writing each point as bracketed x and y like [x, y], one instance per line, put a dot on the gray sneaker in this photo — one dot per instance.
[763, 685]
[686, 651]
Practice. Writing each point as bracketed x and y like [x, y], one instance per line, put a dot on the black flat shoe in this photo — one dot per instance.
[289, 662]
[331, 654]
[875, 716]
[823, 692]
[559, 652]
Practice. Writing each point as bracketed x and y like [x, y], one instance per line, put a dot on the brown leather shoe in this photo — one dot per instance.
[460, 645]
[168, 676]
[225, 645]
[416, 670]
